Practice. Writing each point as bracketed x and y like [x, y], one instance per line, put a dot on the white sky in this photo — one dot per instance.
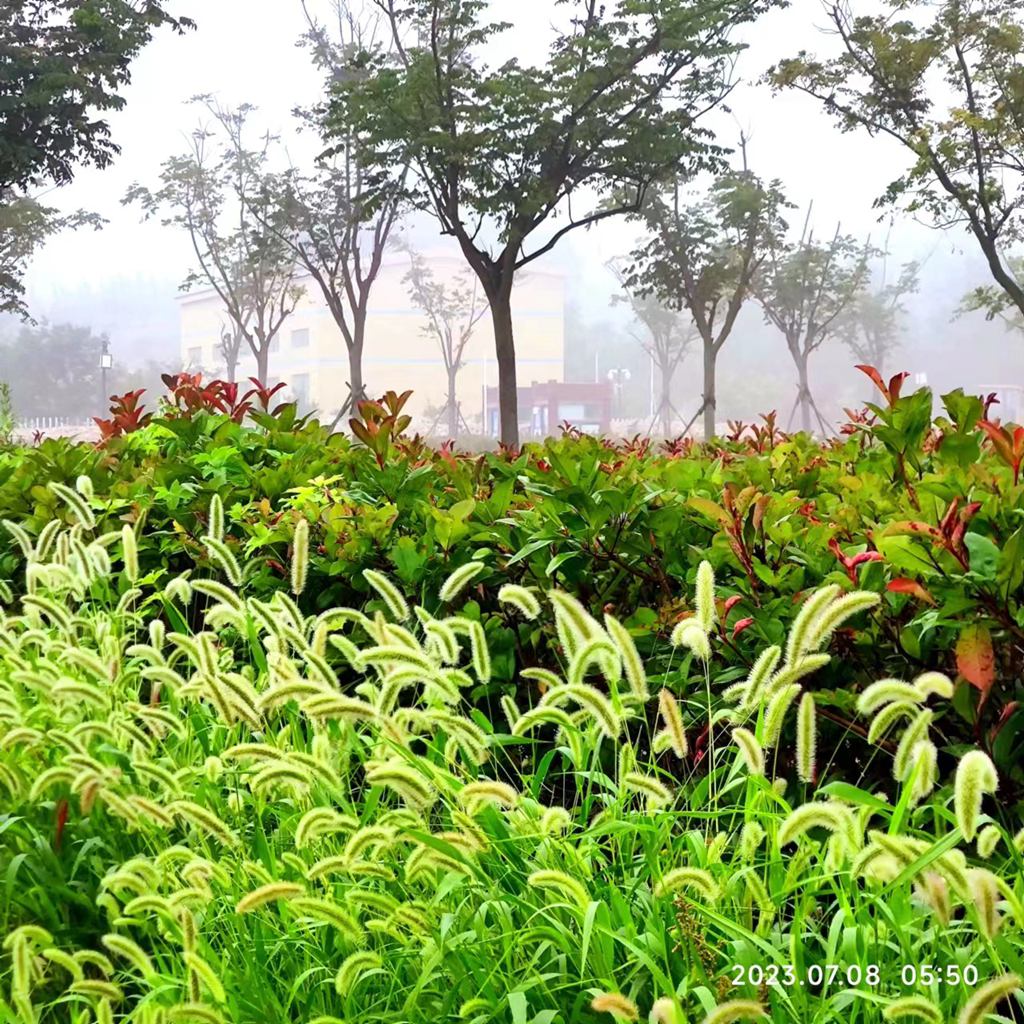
[245, 51]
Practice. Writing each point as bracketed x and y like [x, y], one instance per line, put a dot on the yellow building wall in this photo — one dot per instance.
[398, 356]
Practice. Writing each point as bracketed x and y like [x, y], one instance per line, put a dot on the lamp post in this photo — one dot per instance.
[618, 379]
[106, 362]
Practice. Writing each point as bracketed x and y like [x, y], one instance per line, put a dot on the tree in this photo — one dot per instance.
[54, 370]
[803, 289]
[64, 62]
[666, 336]
[25, 224]
[230, 349]
[227, 203]
[452, 312]
[323, 216]
[702, 257]
[995, 303]
[872, 323]
[495, 154]
[949, 86]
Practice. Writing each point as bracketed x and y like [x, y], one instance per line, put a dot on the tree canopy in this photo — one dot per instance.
[222, 195]
[495, 153]
[702, 256]
[25, 224]
[946, 80]
[65, 62]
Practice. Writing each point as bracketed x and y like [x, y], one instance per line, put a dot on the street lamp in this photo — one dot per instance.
[106, 362]
[619, 379]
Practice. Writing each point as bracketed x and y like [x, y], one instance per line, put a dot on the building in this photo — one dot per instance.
[309, 353]
[543, 408]
[1010, 405]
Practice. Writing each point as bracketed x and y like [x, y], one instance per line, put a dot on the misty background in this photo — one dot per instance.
[123, 280]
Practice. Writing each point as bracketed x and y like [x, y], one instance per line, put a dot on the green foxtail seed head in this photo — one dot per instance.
[224, 557]
[914, 1008]
[704, 600]
[76, 503]
[636, 675]
[796, 643]
[666, 1011]
[988, 839]
[975, 776]
[887, 691]
[902, 763]
[833, 616]
[673, 719]
[806, 738]
[775, 714]
[736, 1010]
[390, 594]
[924, 760]
[758, 677]
[690, 635]
[985, 894]
[936, 683]
[657, 793]
[616, 1004]
[520, 598]
[215, 526]
[458, 580]
[267, 894]
[131, 553]
[888, 716]
[696, 879]
[353, 969]
[560, 882]
[300, 556]
[985, 1000]
[751, 837]
[750, 750]
[933, 891]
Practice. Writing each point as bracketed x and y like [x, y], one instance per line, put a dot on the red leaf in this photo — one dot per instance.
[905, 586]
[975, 659]
[875, 376]
[731, 602]
[866, 556]
[740, 626]
[896, 385]
[61, 821]
[1008, 712]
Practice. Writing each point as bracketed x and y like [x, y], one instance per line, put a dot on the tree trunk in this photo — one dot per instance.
[231, 365]
[1003, 278]
[505, 352]
[453, 408]
[710, 402]
[804, 397]
[356, 387]
[666, 401]
[263, 361]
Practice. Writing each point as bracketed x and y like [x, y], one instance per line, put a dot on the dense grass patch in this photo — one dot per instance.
[226, 805]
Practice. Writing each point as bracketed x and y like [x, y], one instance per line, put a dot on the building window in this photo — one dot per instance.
[300, 338]
[195, 356]
[300, 389]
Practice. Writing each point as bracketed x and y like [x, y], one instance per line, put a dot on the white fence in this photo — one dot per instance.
[56, 426]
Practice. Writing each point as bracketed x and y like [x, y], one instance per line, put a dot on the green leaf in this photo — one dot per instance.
[984, 555]
[407, 559]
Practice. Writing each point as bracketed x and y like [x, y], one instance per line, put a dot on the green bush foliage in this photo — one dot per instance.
[924, 512]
